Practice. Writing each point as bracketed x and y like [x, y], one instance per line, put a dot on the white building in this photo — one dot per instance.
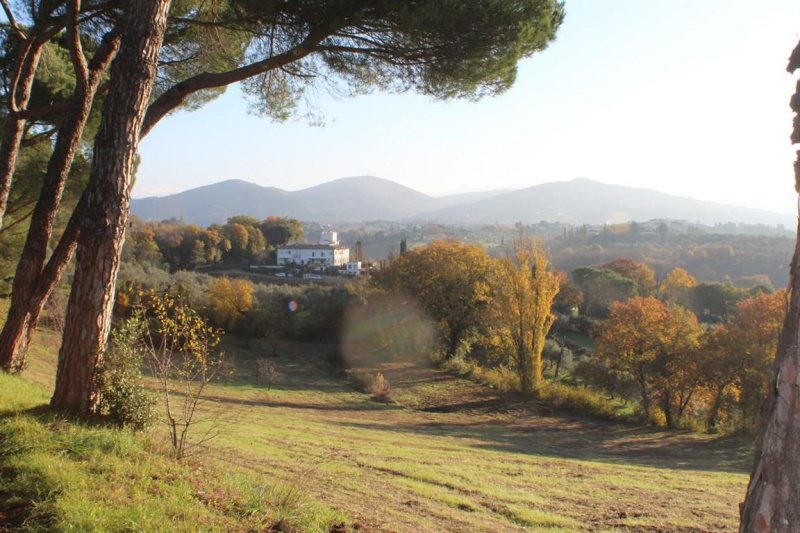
[329, 237]
[313, 254]
[353, 268]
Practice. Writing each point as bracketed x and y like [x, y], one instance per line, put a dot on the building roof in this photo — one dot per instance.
[314, 247]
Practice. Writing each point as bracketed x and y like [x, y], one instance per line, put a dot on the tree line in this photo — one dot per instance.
[187, 246]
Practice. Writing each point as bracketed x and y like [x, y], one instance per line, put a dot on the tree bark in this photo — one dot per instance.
[30, 289]
[772, 503]
[107, 201]
[14, 125]
[23, 315]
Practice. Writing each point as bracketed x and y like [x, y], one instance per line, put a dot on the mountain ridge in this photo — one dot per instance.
[362, 198]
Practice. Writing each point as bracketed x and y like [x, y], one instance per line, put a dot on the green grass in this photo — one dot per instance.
[57, 475]
[449, 454]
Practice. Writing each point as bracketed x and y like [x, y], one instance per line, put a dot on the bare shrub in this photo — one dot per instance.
[266, 372]
[56, 308]
[182, 351]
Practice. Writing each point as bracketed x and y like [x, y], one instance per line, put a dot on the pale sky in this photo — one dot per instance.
[689, 97]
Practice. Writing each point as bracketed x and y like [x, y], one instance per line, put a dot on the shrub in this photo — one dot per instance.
[458, 365]
[360, 379]
[182, 351]
[123, 397]
[501, 378]
[579, 400]
[380, 388]
[266, 372]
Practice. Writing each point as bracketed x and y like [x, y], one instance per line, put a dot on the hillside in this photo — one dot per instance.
[447, 455]
[364, 198]
[584, 201]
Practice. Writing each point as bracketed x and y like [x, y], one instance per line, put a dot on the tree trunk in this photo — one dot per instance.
[773, 495]
[716, 406]
[107, 201]
[23, 315]
[31, 288]
[14, 125]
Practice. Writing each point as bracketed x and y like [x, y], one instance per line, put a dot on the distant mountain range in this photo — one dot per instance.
[363, 198]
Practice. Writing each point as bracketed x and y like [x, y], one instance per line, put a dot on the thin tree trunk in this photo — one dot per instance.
[14, 125]
[108, 197]
[24, 316]
[772, 503]
[30, 288]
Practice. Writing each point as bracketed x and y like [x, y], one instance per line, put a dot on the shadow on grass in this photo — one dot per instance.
[266, 401]
[595, 442]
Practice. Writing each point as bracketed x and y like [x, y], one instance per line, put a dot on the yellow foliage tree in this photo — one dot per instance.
[677, 287]
[524, 288]
[230, 299]
[451, 282]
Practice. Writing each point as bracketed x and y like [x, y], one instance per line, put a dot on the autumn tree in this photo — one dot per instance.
[451, 280]
[656, 344]
[774, 489]
[737, 358]
[677, 287]
[230, 299]
[524, 290]
[639, 273]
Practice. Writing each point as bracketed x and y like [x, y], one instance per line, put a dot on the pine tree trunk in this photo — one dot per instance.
[773, 495]
[107, 201]
[23, 314]
[14, 125]
[32, 287]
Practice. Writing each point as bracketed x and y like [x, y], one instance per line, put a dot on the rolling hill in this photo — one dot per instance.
[363, 198]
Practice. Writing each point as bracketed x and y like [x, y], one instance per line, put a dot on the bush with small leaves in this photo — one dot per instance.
[123, 397]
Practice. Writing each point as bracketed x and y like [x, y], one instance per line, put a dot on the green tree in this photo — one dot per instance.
[524, 290]
[279, 231]
[641, 274]
[600, 288]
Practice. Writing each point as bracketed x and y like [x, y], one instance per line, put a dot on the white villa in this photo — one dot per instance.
[328, 252]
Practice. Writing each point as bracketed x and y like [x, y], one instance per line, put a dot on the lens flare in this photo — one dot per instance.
[386, 329]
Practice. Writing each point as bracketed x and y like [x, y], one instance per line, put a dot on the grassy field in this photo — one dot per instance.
[450, 455]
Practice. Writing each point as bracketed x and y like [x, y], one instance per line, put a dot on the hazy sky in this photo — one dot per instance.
[689, 97]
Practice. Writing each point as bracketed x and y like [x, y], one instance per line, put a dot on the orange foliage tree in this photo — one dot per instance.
[656, 344]
[738, 357]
